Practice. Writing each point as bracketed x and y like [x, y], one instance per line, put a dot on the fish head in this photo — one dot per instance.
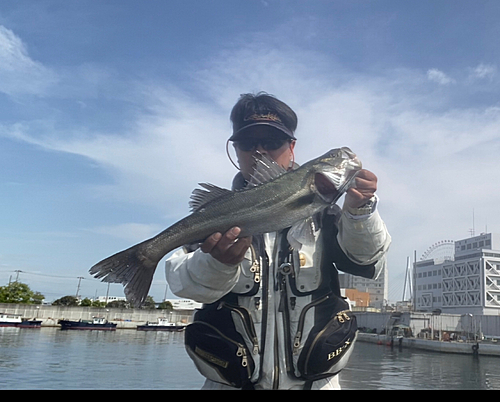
[334, 173]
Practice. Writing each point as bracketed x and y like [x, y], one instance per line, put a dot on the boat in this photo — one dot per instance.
[96, 323]
[162, 324]
[16, 320]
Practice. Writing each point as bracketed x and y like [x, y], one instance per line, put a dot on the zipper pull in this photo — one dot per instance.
[343, 317]
[241, 353]
[340, 318]
[296, 342]
[255, 268]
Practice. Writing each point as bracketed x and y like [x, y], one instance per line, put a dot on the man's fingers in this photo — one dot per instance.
[227, 247]
[228, 239]
[208, 245]
[365, 188]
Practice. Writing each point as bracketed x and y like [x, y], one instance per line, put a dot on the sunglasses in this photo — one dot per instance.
[269, 144]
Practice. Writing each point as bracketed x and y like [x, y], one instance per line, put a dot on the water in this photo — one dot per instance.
[49, 358]
[381, 367]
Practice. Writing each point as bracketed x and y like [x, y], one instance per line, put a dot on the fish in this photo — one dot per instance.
[274, 199]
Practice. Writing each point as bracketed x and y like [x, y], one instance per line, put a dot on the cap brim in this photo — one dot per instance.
[239, 134]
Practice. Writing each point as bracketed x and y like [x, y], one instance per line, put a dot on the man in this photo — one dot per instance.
[268, 309]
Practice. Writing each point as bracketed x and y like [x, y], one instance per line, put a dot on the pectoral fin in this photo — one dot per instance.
[301, 234]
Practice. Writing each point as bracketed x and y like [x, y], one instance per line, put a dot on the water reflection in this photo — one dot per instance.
[382, 367]
[49, 358]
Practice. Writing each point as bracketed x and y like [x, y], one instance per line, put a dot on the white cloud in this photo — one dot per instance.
[438, 76]
[483, 71]
[19, 74]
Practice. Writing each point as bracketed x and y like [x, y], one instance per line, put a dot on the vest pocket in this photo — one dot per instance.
[218, 357]
[328, 345]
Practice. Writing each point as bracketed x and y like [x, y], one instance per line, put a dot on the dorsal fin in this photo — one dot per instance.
[200, 198]
[265, 170]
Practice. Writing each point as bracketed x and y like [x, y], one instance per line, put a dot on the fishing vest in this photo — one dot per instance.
[319, 328]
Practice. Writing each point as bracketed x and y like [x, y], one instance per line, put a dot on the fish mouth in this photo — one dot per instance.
[328, 186]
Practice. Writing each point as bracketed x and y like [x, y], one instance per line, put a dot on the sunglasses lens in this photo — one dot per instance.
[251, 144]
[273, 144]
[246, 145]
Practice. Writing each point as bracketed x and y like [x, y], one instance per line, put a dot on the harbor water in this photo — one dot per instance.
[49, 358]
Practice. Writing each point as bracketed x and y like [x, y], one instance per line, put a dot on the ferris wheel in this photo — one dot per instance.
[440, 251]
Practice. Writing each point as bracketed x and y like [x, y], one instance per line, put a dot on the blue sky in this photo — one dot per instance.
[111, 112]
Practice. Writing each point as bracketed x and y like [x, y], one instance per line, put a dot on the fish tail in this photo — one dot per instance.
[132, 268]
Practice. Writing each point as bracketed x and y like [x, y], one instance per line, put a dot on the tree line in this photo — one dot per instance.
[20, 293]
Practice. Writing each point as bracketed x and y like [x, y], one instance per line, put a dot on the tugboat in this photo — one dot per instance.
[96, 323]
[15, 320]
[163, 324]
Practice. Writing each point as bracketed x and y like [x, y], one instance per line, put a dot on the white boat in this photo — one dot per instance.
[162, 324]
[16, 320]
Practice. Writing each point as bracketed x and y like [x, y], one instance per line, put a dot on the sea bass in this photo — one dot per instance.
[273, 200]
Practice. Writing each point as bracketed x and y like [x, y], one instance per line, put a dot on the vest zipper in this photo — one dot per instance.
[247, 322]
[240, 352]
[300, 326]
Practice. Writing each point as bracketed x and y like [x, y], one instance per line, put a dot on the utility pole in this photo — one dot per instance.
[78, 288]
[107, 293]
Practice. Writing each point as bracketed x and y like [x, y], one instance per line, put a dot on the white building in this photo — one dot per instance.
[184, 304]
[109, 299]
[466, 283]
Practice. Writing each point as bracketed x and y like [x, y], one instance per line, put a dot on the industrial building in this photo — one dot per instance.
[467, 282]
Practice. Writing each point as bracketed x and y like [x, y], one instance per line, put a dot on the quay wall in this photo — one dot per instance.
[487, 325]
[482, 348]
[125, 318]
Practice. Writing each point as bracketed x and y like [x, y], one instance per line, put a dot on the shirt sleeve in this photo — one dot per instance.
[364, 238]
[199, 277]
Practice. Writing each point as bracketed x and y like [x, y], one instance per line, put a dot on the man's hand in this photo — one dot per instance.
[366, 185]
[227, 248]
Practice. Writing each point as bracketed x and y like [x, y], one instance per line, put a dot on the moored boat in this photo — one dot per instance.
[163, 324]
[16, 320]
[96, 323]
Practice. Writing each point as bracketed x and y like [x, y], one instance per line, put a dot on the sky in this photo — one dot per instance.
[112, 112]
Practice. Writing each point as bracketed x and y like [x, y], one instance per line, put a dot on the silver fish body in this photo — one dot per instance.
[274, 200]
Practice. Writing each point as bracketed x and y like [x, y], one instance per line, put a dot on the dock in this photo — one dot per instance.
[484, 348]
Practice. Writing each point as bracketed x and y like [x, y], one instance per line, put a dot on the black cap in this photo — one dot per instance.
[267, 119]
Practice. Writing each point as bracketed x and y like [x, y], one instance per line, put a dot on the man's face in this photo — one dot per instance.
[271, 137]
